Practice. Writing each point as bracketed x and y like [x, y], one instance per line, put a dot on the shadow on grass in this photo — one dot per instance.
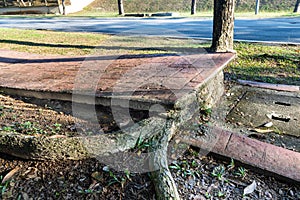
[36, 44]
[173, 49]
[277, 57]
[265, 79]
[80, 59]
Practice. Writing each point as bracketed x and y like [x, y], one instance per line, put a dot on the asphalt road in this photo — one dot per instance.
[285, 30]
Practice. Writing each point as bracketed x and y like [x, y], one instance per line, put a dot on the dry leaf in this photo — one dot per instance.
[25, 196]
[97, 176]
[139, 153]
[57, 136]
[10, 175]
[260, 130]
[268, 124]
[250, 188]
[30, 173]
[93, 185]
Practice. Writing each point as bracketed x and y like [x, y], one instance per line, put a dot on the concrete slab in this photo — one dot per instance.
[245, 109]
[259, 107]
[159, 78]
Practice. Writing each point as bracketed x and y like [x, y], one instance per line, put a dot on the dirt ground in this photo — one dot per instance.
[197, 176]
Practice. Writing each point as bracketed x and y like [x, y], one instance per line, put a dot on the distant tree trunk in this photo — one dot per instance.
[22, 2]
[64, 7]
[193, 7]
[297, 6]
[223, 26]
[257, 7]
[120, 7]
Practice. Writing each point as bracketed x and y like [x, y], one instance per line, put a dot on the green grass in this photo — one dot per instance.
[66, 43]
[273, 64]
[262, 14]
[266, 14]
[50, 42]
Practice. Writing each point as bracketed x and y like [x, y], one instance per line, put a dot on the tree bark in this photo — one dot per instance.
[161, 176]
[223, 26]
[120, 7]
[297, 7]
[76, 148]
[193, 7]
[64, 7]
[257, 6]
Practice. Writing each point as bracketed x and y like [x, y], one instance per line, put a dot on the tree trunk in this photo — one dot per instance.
[223, 26]
[64, 7]
[257, 6]
[297, 7]
[193, 7]
[120, 7]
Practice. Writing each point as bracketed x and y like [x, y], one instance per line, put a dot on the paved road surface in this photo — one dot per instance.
[286, 30]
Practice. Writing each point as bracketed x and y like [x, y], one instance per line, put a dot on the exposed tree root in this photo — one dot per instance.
[161, 176]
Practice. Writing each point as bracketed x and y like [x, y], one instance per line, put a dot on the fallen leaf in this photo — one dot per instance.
[10, 175]
[260, 130]
[139, 153]
[106, 168]
[25, 196]
[97, 176]
[30, 173]
[268, 124]
[250, 188]
[57, 136]
[93, 185]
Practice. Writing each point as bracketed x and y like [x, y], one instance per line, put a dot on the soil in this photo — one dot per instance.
[32, 116]
[89, 179]
[197, 176]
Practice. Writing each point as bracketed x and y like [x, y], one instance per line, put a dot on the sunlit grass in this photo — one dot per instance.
[50, 42]
[274, 64]
[262, 14]
[75, 43]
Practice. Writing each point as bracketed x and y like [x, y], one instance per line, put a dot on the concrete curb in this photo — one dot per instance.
[280, 87]
[252, 152]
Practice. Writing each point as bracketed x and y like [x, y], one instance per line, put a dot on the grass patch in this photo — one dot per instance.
[273, 64]
[262, 14]
[75, 43]
[50, 42]
[266, 14]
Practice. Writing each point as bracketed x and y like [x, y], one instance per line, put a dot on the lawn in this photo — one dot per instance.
[272, 64]
[260, 62]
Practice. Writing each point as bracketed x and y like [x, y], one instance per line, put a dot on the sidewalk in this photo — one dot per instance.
[144, 78]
